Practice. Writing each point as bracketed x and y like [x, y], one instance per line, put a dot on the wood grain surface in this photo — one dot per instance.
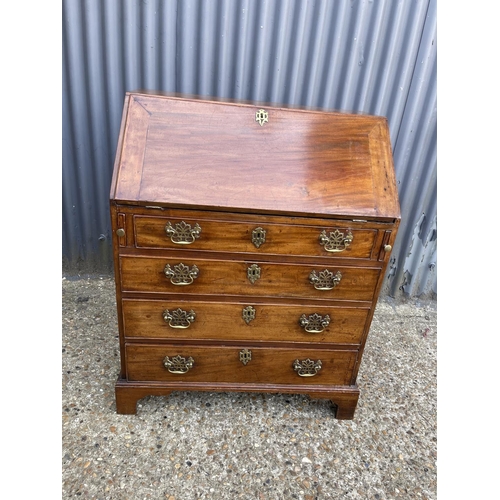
[219, 277]
[300, 162]
[224, 321]
[222, 364]
[221, 236]
[194, 162]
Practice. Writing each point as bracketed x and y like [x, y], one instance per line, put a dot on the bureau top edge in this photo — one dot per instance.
[155, 208]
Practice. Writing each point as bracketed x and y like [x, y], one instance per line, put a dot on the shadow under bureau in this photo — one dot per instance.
[250, 244]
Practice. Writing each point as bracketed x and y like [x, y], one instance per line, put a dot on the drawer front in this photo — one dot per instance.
[181, 319]
[253, 237]
[224, 365]
[209, 277]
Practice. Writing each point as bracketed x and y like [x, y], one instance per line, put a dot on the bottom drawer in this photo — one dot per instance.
[187, 363]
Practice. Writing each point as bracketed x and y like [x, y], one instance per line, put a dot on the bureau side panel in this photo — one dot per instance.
[384, 256]
[117, 222]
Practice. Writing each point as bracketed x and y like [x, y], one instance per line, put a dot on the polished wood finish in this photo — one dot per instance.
[128, 393]
[146, 274]
[209, 164]
[299, 162]
[222, 236]
[221, 364]
[217, 321]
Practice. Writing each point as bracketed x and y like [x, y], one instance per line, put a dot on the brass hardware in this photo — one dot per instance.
[179, 318]
[245, 356]
[248, 314]
[258, 236]
[314, 323]
[181, 274]
[307, 368]
[178, 364]
[261, 117]
[336, 241]
[182, 234]
[325, 280]
[387, 248]
[120, 232]
[253, 273]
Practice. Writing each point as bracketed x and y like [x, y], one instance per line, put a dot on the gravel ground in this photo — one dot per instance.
[232, 445]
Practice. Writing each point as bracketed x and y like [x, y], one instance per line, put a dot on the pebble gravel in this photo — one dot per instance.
[251, 446]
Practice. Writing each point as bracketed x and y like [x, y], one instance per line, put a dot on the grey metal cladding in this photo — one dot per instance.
[370, 56]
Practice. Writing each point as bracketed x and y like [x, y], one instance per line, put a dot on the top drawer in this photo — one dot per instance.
[255, 237]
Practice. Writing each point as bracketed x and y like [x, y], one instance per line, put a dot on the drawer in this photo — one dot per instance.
[223, 365]
[184, 319]
[211, 276]
[337, 240]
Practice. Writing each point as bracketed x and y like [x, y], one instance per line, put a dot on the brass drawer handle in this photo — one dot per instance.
[307, 368]
[181, 274]
[315, 323]
[336, 241]
[258, 236]
[182, 234]
[179, 318]
[325, 280]
[178, 364]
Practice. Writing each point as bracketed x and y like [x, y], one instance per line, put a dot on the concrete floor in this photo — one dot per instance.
[237, 445]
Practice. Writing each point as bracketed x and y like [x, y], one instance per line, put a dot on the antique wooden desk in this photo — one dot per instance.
[250, 245]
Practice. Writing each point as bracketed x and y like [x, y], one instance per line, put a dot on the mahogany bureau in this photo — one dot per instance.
[250, 246]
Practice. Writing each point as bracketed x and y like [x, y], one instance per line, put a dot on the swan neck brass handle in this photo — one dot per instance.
[181, 274]
[178, 364]
[179, 318]
[307, 368]
[315, 323]
[336, 241]
[182, 233]
[325, 280]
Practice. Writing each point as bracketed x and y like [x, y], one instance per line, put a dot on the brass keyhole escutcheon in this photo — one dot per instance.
[258, 236]
[261, 117]
[253, 273]
[248, 314]
[245, 356]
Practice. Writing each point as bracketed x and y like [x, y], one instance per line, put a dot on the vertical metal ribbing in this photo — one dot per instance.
[416, 164]
[364, 56]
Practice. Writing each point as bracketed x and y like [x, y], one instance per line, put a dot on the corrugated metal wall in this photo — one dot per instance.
[373, 56]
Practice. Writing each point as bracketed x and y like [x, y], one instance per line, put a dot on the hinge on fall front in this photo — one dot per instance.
[359, 220]
[154, 206]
